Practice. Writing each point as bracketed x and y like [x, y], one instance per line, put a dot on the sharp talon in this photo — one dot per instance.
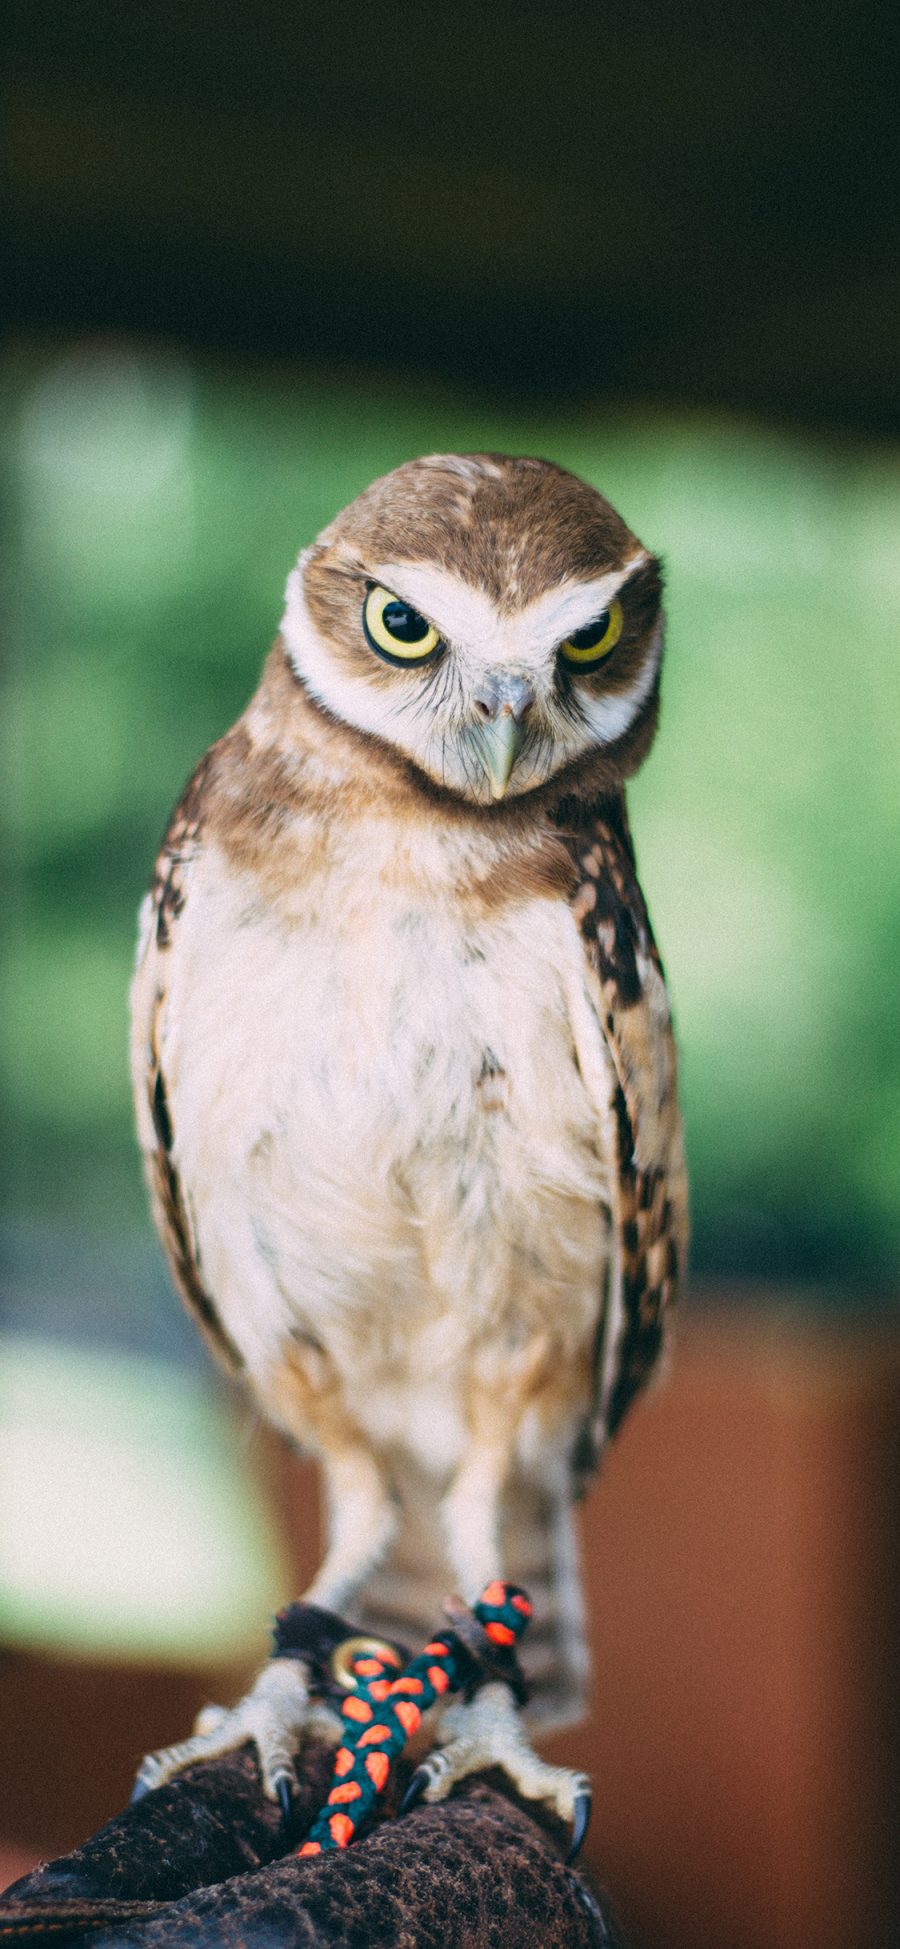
[414, 1791]
[580, 1824]
[285, 1799]
[137, 1792]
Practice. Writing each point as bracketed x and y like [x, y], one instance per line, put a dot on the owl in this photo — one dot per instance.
[405, 1073]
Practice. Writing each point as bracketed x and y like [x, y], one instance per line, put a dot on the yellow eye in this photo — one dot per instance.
[397, 632]
[589, 646]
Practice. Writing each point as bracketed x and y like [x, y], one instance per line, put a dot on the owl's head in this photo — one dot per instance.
[492, 618]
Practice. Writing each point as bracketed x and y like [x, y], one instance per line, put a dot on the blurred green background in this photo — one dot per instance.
[155, 504]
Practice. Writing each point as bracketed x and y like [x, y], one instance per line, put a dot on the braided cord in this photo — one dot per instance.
[384, 1711]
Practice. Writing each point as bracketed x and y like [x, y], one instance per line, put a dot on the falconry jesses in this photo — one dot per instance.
[404, 1065]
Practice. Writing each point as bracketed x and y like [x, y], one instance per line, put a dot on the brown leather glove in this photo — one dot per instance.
[205, 1862]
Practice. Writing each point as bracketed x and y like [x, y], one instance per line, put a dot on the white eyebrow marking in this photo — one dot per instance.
[560, 612]
[468, 617]
[461, 613]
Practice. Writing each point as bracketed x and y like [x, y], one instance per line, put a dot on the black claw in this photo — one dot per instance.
[580, 1824]
[415, 1790]
[285, 1800]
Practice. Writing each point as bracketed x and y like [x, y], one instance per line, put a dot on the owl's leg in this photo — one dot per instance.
[278, 1711]
[305, 1395]
[488, 1731]
[470, 1513]
[508, 1384]
[362, 1520]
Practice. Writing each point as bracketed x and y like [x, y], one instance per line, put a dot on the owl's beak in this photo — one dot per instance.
[503, 702]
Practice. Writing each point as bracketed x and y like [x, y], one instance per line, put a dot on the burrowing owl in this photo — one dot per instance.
[403, 1058]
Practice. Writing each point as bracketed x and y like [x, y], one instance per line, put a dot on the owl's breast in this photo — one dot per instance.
[380, 1101]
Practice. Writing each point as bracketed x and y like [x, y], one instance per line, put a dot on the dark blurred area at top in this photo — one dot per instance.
[681, 204]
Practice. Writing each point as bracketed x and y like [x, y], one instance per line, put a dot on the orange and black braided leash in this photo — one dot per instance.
[386, 1707]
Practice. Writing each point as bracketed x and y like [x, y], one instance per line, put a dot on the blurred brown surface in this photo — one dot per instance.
[14, 1862]
[741, 1569]
[741, 1558]
[73, 1733]
[743, 1589]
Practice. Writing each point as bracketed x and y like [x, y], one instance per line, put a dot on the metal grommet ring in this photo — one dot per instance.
[342, 1657]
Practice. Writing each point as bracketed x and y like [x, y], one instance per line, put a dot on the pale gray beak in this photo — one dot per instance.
[503, 702]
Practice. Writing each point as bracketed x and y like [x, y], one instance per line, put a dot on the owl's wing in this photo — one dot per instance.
[160, 915]
[627, 992]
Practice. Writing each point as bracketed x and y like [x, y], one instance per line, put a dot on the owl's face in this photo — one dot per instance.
[491, 618]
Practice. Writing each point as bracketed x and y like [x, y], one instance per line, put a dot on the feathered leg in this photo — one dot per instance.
[488, 1731]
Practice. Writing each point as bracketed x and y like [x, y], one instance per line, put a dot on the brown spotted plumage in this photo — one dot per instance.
[177, 850]
[170, 1209]
[650, 1177]
[403, 1059]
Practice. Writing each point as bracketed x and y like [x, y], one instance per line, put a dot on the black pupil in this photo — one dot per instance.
[587, 639]
[404, 623]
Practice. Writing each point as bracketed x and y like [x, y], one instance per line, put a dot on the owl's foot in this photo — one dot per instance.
[275, 1716]
[488, 1731]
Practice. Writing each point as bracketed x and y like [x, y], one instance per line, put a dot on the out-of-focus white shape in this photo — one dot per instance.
[105, 461]
[130, 1526]
[109, 420]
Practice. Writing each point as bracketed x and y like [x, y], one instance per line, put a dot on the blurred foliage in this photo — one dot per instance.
[154, 509]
